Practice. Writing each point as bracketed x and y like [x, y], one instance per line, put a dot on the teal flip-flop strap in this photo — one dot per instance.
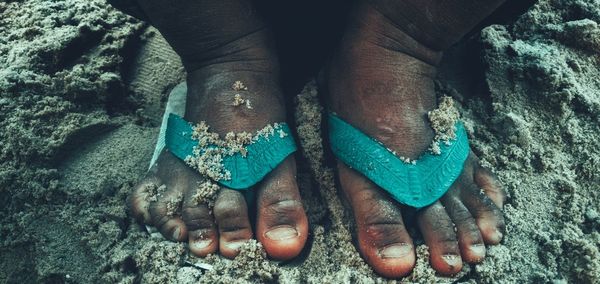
[264, 154]
[416, 185]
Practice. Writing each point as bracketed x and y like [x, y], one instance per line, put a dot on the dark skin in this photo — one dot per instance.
[379, 80]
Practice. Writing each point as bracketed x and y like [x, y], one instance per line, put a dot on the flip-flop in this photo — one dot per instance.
[415, 184]
[263, 154]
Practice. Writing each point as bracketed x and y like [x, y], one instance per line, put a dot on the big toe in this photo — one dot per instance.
[282, 225]
[382, 237]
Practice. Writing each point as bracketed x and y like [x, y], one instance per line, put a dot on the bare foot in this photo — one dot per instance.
[220, 46]
[381, 81]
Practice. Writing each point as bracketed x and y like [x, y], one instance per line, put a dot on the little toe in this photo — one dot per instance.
[139, 201]
[165, 214]
[382, 237]
[203, 238]
[231, 216]
[470, 242]
[282, 225]
[487, 215]
[438, 231]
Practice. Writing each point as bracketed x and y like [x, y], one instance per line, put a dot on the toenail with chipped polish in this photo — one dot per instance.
[478, 250]
[282, 233]
[235, 245]
[176, 233]
[395, 250]
[201, 244]
[496, 236]
[452, 259]
[500, 235]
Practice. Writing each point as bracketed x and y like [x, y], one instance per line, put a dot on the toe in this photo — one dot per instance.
[282, 225]
[472, 248]
[438, 231]
[139, 201]
[382, 237]
[487, 215]
[487, 181]
[231, 216]
[202, 231]
[165, 214]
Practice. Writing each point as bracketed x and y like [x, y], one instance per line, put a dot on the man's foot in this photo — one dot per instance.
[381, 81]
[220, 43]
[281, 222]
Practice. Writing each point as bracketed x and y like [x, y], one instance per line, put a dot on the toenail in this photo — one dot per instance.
[201, 244]
[282, 233]
[496, 236]
[395, 250]
[235, 245]
[176, 233]
[478, 250]
[452, 259]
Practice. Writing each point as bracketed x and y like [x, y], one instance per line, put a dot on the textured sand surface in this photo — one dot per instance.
[82, 87]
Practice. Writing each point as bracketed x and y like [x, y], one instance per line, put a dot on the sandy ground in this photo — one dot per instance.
[82, 87]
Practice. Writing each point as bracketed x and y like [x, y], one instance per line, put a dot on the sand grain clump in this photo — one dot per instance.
[206, 193]
[239, 86]
[152, 192]
[238, 100]
[173, 205]
[208, 156]
[443, 120]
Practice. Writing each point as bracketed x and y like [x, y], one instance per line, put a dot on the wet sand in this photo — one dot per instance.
[83, 86]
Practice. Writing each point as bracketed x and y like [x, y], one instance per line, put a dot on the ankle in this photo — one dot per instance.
[250, 59]
[371, 29]
[253, 51]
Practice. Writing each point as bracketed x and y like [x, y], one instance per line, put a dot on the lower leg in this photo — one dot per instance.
[436, 24]
[207, 32]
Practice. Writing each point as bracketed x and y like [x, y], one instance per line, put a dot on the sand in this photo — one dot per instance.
[82, 88]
